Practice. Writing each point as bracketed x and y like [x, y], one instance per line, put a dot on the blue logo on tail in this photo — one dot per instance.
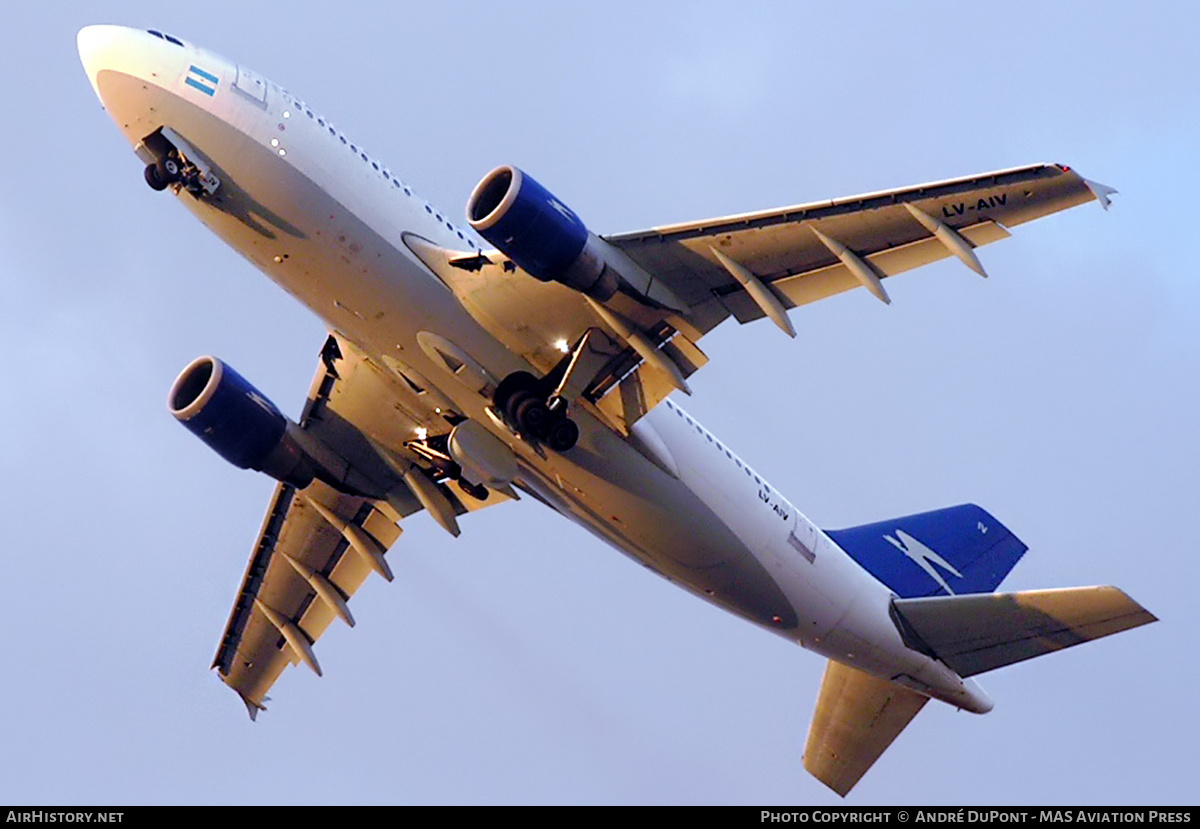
[923, 555]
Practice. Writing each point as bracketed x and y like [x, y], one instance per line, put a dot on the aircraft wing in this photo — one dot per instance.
[317, 545]
[688, 278]
[810, 251]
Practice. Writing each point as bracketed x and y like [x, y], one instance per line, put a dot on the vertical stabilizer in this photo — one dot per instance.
[945, 552]
[857, 718]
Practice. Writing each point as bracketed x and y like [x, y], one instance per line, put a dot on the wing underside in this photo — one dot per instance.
[797, 251]
[317, 546]
[299, 556]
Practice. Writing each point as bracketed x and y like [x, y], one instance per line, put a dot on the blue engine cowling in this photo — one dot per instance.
[538, 232]
[221, 408]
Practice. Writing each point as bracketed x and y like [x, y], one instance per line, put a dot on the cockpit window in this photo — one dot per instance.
[167, 38]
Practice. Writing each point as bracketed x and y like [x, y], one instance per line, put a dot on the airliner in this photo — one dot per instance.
[523, 356]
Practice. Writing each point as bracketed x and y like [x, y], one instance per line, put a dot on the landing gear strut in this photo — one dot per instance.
[437, 452]
[529, 409]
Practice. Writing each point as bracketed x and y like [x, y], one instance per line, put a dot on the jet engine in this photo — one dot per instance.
[539, 233]
[221, 408]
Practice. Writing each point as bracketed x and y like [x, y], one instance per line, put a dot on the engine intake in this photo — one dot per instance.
[225, 411]
[539, 233]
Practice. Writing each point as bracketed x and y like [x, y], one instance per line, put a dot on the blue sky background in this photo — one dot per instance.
[526, 662]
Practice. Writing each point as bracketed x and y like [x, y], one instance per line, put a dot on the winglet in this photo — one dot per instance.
[1101, 192]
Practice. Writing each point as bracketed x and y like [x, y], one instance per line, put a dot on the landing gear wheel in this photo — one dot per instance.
[168, 169]
[533, 416]
[518, 381]
[514, 402]
[477, 491]
[155, 181]
[563, 435]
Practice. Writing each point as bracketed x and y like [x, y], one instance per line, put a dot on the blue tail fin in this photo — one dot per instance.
[948, 551]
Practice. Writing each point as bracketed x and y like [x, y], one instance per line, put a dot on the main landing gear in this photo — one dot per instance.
[529, 409]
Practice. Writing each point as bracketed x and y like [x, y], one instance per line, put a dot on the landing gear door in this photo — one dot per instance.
[251, 85]
[803, 538]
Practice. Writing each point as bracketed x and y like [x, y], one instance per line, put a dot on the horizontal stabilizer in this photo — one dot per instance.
[857, 718]
[947, 551]
[973, 634]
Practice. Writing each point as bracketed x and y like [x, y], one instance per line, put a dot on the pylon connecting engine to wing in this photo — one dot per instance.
[545, 238]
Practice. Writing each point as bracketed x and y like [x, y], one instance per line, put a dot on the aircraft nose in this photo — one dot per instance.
[120, 49]
[99, 48]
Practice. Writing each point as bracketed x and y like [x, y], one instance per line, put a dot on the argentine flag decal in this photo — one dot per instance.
[206, 82]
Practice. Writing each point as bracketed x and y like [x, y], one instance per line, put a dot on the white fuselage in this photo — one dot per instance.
[326, 221]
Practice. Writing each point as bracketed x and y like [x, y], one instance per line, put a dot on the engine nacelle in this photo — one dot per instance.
[539, 233]
[221, 408]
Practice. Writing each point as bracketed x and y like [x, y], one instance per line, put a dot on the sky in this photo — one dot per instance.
[526, 662]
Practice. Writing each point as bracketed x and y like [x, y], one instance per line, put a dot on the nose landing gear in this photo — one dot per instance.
[172, 169]
[173, 162]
